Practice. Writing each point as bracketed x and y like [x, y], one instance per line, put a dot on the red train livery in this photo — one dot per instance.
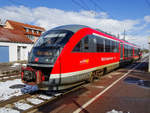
[72, 53]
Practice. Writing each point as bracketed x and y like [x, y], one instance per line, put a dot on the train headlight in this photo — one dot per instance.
[29, 76]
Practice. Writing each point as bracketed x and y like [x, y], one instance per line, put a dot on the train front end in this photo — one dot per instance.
[43, 56]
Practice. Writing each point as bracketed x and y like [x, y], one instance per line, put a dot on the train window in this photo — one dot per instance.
[86, 43]
[125, 51]
[128, 50]
[110, 46]
[117, 46]
[131, 51]
[100, 44]
[121, 47]
[83, 45]
[114, 46]
[92, 43]
[78, 47]
[135, 52]
[56, 37]
[107, 45]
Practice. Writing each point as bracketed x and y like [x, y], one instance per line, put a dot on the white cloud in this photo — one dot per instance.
[139, 40]
[147, 19]
[49, 18]
[20, 13]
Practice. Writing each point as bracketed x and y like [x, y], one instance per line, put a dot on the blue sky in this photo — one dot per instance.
[109, 15]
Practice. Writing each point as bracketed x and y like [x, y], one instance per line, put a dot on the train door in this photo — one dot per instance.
[121, 51]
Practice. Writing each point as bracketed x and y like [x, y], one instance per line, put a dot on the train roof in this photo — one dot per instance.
[74, 28]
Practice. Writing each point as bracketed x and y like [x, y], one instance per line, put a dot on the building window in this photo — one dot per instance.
[40, 32]
[32, 31]
[37, 32]
[27, 30]
[18, 53]
[31, 37]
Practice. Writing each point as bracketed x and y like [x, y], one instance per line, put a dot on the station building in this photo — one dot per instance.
[16, 40]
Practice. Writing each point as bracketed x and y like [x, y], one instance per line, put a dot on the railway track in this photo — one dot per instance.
[9, 76]
[30, 102]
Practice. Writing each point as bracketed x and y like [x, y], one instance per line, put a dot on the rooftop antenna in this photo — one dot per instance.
[124, 34]
[118, 36]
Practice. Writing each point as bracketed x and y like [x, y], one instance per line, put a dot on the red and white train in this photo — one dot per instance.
[72, 53]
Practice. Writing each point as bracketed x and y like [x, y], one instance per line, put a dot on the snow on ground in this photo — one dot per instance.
[114, 111]
[16, 65]
[58, 94]
[6, 92]
[22, 106]
[8, 110]
[45, 97]
[34, 101]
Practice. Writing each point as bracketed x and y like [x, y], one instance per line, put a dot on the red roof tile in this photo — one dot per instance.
[8, 35]
[21, 26]
[18, 24]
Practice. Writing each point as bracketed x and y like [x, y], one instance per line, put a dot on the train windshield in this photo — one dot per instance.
[54, 38]
[49, 46]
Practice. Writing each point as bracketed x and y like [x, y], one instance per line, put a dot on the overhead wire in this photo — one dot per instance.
[78, 3]
[85, 3]
[18, 3]
[100, 8]
[148, 3]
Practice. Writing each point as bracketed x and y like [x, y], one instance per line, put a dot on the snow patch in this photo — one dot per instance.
[15, 65]
[114, 111]
[6, 92]
[8, 110]
[24, 65]
[45, 97]
[22, 106]
[35, 101]
[58, 94]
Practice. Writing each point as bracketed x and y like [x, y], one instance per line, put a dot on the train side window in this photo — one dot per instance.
[86, 43]
[114, 46]
[121, 49]
[126, 51]
[78, 47]
[92, 43]
[117, 46]
[107, 45]
[100, 44]
[110, 45]
[132, 51]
